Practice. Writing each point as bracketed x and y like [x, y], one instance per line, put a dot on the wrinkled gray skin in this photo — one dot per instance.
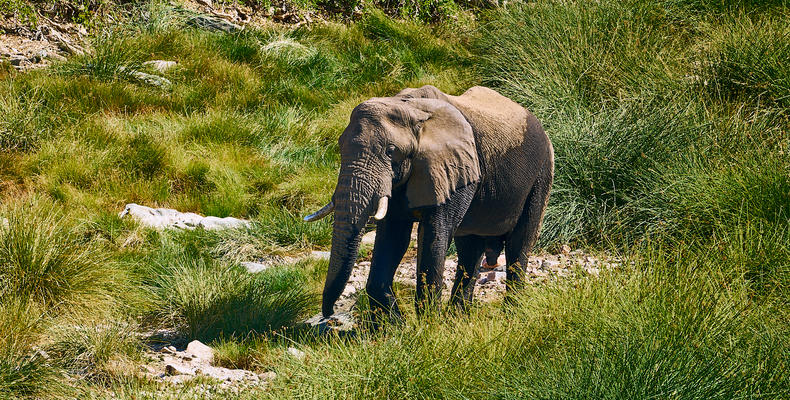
[474, 167]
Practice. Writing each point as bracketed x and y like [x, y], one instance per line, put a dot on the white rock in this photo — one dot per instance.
[550, 264]
[226, 374]
[255, 267]
[497, 276]
[267, 376]
[200, 350]
[349, 291]
[321, 255]
[148, 79]
[160, 65]
[340, 321]
[163, 218]
[211, 223]
[369, 238]
[296, 353]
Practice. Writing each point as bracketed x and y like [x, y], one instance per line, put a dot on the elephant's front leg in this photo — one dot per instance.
[437, 226]
[392, 240]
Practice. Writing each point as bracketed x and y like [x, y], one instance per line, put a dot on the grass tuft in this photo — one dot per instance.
[209, 300]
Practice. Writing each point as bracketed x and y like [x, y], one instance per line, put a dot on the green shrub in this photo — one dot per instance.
[144, 157]
[555, 56]
[24, 372]
[112, 58]
[747, 61]
[21, 124]
[95, 351]
[209, 300]
[48, 262]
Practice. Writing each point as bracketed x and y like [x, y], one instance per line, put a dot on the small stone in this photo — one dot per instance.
[17, 60]
[321, 255]
[56, 56]
[340, 321]
[175, 369]
[565, 249]
[200, 350]
[550, 264]
[349, 291]
[255, 267]
[267, 376]
[149, 79]
[296, 353]
[369, 238]
[168, 350]
[497, 276]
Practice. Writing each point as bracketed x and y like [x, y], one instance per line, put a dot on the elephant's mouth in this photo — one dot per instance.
[346, 235]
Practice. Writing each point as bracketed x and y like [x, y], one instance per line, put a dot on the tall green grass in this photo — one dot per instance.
[632, 97]
[666, 326]
[23, 371]
[207, 300]
[46, 261]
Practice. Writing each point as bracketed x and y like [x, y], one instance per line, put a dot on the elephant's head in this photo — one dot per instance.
[421, 147]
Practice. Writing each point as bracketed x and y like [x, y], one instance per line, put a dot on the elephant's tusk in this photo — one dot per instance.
[323, 212]
[382, 211]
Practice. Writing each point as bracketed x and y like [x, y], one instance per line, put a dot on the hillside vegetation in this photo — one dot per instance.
[670, 125]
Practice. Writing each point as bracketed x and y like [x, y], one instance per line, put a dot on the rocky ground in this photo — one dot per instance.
[196, 361]
[490, 283]
[27, 46]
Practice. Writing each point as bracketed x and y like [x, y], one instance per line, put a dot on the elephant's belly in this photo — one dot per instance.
[492, 217]
[499, 202]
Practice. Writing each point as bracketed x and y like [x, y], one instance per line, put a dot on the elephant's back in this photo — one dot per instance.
[512, 147]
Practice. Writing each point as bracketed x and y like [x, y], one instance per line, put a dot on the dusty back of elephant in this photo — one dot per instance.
[512, 148]
[499, 124]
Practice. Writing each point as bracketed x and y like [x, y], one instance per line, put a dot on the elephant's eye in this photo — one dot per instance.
[390, 150]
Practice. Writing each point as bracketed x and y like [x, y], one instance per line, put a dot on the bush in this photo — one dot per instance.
[21, 122]
[209, 300]
[747, 61]
[48, 262]
[96, 351]
[23, 371]
[112, 58]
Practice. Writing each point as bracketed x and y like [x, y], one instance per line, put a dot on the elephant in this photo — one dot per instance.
[475, 168]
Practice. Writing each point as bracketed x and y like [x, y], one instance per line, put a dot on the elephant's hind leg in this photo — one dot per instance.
[470, 250]
[525, 234]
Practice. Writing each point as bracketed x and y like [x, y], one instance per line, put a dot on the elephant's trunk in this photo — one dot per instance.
[356, 199]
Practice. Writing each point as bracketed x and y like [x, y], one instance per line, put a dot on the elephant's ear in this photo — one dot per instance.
[446, 158]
